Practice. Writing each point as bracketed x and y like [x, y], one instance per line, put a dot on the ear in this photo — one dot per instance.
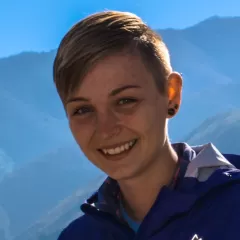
[174, 89]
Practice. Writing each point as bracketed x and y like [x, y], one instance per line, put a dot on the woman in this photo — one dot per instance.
[115, 80]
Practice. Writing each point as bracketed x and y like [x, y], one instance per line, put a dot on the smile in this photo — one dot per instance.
[119, 149]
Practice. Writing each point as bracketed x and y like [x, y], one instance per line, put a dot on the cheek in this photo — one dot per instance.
[143, 120]
[151, 122]
[81, 133]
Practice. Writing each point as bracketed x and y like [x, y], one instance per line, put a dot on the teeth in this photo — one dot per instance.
[111, 151]
[105, 151]
[120, 149]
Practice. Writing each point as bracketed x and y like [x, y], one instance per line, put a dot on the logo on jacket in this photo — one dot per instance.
[195, 237]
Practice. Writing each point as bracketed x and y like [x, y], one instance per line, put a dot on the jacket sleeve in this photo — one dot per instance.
[62, 235]
[74, 231]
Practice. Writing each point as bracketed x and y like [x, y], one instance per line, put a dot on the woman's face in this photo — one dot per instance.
[118, 117]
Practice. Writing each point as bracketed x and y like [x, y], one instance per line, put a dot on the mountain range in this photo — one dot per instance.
[43, 174]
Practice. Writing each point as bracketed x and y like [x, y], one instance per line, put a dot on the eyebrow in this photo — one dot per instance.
[77, 99]
[113, 93]
[121, 89]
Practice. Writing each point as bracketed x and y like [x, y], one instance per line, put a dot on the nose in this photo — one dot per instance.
[107, 125]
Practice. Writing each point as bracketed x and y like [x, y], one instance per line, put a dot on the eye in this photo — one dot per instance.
[83, 110]
[125, 101]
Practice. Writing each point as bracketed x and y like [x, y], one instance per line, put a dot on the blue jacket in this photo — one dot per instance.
[204, 204]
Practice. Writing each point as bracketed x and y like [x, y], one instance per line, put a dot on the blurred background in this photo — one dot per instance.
[44, 177]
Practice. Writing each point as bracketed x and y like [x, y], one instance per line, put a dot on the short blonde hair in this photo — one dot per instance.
[100, 35]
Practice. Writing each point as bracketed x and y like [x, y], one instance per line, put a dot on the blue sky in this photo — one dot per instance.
[38, 25]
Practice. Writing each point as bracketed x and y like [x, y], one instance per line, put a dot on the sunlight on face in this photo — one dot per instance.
[118, 117]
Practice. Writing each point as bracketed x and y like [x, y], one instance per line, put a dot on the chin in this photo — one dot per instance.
[127, 172]
[121, 175]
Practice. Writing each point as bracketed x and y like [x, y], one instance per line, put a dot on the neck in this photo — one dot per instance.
[140, 192]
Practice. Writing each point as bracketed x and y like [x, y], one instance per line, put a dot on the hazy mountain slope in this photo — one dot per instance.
[6, 164]
[222, 129]
[60, 216]
[34, 189]
[219, 37]
[28, 77]
[25, 131]
[5, 233]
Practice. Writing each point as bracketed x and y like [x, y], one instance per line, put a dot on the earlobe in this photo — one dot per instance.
[172, 111]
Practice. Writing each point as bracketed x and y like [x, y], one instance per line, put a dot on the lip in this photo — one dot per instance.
[116, 145]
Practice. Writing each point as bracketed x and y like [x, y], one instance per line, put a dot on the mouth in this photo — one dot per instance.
[119, 150]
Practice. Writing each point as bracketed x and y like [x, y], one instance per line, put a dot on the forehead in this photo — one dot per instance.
[116, 71]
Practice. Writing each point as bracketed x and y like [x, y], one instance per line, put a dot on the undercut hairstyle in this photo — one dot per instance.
[104, 34]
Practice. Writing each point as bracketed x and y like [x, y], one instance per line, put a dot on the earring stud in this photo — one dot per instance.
[171, 111]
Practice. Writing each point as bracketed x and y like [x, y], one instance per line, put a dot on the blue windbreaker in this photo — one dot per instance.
[202, 204]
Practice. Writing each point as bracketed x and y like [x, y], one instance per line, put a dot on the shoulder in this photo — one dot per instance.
[80, 227]
[231, 193]
[228, 190]
[224, 200]
[227, 210]
[233, 159]
[220, 194]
